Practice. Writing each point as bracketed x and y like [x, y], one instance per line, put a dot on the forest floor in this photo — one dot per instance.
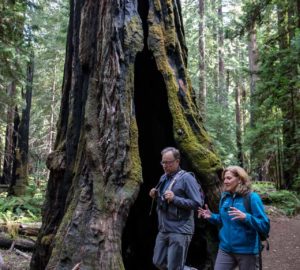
[284, 253]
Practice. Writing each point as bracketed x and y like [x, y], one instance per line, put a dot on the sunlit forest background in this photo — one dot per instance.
[244, 67]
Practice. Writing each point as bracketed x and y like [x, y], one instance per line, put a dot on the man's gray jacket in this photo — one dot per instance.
[178, 216]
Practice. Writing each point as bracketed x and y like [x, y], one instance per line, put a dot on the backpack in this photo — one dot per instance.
[262, 237]
[247, 204]
[202, 194]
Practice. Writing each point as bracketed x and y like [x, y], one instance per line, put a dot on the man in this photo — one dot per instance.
[177, 195]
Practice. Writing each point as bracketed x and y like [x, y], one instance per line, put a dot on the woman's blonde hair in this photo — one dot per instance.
[244, 186]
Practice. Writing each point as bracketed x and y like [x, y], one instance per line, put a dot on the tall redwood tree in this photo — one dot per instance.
[125, 96]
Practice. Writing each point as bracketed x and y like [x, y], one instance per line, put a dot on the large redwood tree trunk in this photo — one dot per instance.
[125, 97]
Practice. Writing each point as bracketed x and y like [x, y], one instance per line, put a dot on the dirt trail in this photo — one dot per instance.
[284, 253]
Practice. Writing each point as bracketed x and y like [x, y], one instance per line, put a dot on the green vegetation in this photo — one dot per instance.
[286, 201]
[23, 209]
[251, 77]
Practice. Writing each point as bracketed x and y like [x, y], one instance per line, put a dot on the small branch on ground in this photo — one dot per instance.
[19, 252]
[77, 266]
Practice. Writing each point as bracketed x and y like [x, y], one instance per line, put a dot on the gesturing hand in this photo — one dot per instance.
[205, 213]
[236, 214]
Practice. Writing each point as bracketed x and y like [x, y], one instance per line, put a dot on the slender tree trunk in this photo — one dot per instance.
[202, 75]
[1, 151]
[243, 102]
[238, 123]
[19, 180]
[279, 158]
[223, 95]
[292, 15]
[241, 96]
[51, 121]
[125, 97]
[253, 67]
[52, 114]
[277, 167]
[298, 13]
[8, 151]
[213, 8]
[16, 151]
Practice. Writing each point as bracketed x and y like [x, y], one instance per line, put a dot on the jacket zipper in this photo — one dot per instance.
[230, 236]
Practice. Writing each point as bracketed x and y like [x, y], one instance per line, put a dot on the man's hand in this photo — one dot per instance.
[153, 193]
[169, 195]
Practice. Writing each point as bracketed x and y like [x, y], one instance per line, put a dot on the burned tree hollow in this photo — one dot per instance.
[155, 129]
[155, 132]
[154, 123]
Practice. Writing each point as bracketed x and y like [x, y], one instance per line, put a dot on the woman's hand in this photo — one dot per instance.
[204, 213]
[236, 214]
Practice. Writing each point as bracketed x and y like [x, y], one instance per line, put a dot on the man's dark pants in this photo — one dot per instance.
[170, 250]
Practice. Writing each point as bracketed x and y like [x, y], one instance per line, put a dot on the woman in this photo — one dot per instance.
[239, 239]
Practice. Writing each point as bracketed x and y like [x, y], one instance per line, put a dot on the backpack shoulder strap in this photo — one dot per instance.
[222, 200]
[247, 202]
[179, 174]
[202, 194]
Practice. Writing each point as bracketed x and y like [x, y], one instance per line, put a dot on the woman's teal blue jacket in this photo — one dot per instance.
[238, 236]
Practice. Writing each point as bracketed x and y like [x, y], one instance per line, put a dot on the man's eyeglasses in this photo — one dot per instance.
[167, 162]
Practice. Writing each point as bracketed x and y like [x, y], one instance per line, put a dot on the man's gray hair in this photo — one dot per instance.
[175, 152]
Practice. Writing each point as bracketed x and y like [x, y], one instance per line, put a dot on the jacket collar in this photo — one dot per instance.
[174, 173]
[228, 194]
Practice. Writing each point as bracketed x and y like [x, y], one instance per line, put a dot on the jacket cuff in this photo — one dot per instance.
[247, 219]
[213, 217]
[175, 200]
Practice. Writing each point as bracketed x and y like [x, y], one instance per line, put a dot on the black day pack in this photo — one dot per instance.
[247, 204]
[202, 195]
[262, 237]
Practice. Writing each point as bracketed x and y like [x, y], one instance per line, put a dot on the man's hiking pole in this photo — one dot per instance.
[151, 208]
[153, 199]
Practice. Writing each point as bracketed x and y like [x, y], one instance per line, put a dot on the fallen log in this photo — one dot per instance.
[3, 188]
[19, 243]
[22, 229]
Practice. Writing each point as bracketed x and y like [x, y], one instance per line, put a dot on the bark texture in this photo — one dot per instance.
[125, 96]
